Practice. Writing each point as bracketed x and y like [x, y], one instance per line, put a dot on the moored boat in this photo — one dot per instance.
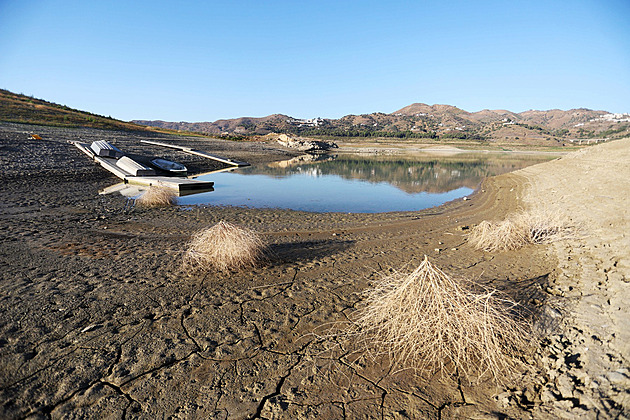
[134, 168]
[170, 166]
[104, 149]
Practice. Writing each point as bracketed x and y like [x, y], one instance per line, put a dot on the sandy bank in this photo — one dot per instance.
[587, 367]
[410, 148]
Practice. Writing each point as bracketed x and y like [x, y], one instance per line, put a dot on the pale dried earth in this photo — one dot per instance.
[588, 361]
[99, 320]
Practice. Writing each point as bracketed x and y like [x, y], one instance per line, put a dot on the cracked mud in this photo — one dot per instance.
[99, 320]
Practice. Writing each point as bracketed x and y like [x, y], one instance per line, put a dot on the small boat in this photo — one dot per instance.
[170, 166]
[104, 149]
[134, 168]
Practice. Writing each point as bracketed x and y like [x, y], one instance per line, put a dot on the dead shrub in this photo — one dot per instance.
[157, 197]
[482, 235]
[520, 229]
[224, 246]
[498, 236]
[429, 322]
[544, 226]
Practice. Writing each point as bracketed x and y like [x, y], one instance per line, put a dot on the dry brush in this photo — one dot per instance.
[521, 229]
[224, 246]
[432, 323]
[157, 197]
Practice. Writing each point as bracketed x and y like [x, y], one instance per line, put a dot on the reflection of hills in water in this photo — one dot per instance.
[424, 173]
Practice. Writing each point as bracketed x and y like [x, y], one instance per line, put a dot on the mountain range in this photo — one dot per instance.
[427, 121]
[414, 121]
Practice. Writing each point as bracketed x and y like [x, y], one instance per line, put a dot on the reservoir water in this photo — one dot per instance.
[357, 183]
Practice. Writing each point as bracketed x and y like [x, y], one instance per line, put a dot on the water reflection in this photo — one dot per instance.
[353, 183]
[423, 173]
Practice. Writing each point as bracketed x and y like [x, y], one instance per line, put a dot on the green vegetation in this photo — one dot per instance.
[613, 131]
[363, 132]
[533, 127]
[233, 137]
[347, 129]
[582, 133]
[542, 130]
[462, 135]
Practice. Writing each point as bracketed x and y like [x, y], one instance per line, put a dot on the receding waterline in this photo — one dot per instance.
[326, 193]
[350, 184]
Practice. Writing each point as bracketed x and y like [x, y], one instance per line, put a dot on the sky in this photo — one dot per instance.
[208, 60]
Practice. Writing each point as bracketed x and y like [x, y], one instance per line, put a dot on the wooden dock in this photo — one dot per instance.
[198, 153]
[182, 185]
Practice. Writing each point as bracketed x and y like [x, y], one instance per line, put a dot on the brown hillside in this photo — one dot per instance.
[420, 108]
[557, 118]
[242, 125]
[25, 109]
[489, 116]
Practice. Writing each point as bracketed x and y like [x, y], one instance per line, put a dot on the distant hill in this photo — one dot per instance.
[243, 125]
[432, 122]
[418, 120]
[26, 109]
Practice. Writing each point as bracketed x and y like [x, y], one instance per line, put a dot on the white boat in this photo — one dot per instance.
[104, 149]
[170, 166]
[134, 168]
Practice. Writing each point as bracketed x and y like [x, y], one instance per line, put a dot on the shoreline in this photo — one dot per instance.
[448, 151]
[98, 316]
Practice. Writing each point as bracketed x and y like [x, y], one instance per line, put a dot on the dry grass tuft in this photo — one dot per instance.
[498, 236]
[520, 229]
[545, 226]
[224, 246]
[157, 197]
[484, 236]
[429, 322]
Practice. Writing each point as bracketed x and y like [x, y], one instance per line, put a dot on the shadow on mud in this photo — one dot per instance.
[307, 251]
[536, 303]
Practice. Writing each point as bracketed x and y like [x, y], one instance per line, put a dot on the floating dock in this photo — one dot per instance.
[182, 185]
[198, 153]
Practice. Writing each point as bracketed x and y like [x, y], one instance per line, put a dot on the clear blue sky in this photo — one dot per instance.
[206, 60]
